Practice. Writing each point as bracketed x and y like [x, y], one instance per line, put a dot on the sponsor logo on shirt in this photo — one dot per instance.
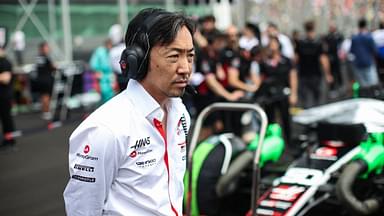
[84, 168]
[182, 146]
[86, 157]
[133, 154]
[182, 126]
[84, 179]
[140, 143]
[144, 152]
[146, 163]
[86, 149]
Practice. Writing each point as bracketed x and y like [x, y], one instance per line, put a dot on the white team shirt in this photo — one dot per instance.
[121, 164]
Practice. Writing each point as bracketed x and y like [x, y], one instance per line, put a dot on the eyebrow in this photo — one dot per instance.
[180, 50]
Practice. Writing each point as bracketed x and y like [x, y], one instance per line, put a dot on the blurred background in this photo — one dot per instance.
[78, 26]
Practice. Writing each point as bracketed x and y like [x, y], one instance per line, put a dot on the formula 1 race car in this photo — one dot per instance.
[339, 171]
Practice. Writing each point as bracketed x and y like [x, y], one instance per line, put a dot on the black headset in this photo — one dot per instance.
[134, 59]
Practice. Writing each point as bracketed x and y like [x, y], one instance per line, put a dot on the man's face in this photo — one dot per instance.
[170, 67]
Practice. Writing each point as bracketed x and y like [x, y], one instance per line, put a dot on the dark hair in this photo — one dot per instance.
[208, 18]
[275, 39]
[162, 32]
[309, 26]
[381, 25]
[256, 50]
[362, 23]
[42, 45]
[272, 25]
[215, 35]
[254, 28]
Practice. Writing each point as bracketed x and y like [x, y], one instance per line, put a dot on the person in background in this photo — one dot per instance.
[115, 34]
[250, 36]
[332, 43]
[378, 37]
[101, 65]
[286, 44]
[295, 37]
[208, 26]
[232, 70]
[312, 62]
[18, 45]
[364, 50]
[213, 87]
[45, 79]
[280, 79]
[129, 156]
[236, 60]
[8, 126]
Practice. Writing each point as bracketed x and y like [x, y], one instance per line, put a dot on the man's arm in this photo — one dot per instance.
[218, 89]
[326, 68]
[293, 83]
[234, 81]
[93, 164]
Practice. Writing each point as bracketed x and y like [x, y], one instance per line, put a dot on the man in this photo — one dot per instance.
[280, 86]
[18, 42]
[363, 49]
[45, 79]
[6, 90]
[286, 44]
[332, 42]
[378, 37]
[214, 85]
[101, 65]
[312, 62]
[129, 156]
[115, 35]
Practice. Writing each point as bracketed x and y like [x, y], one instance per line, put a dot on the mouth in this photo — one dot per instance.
[181, 83]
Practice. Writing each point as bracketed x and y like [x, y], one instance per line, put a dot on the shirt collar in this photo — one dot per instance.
[143, 101]
[146, 104]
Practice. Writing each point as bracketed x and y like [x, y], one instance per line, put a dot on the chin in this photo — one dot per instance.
[177, 93]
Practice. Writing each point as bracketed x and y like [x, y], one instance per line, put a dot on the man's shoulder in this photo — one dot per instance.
[117, 108]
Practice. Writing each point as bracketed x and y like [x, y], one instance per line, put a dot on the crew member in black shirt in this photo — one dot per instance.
[213, 88]
[6, 91]
[45, 79]
[311, 63]
[332, 42]
[279, 86]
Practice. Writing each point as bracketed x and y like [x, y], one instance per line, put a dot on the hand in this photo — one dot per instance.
[236, 95]
[252, 88]
[329, 78]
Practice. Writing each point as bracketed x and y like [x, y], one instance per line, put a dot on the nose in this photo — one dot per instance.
[185, 67]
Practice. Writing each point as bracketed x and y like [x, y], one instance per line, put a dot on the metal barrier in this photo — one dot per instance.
[196, 130]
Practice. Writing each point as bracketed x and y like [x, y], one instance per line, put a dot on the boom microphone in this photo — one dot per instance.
[190, 90]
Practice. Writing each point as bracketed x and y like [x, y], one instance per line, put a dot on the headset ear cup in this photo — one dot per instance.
[123, 63]
[130, 61]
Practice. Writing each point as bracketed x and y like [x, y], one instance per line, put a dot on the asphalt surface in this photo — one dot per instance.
[33, 177]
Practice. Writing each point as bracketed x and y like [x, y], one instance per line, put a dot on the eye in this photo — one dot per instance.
[173, 58]
[191, 57]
